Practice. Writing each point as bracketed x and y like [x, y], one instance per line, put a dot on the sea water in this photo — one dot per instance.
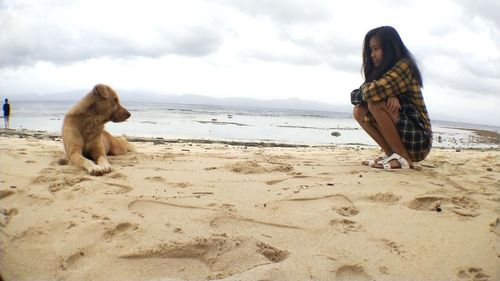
[233, 123]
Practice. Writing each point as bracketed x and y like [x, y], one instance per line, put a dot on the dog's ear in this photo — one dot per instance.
[102, 90]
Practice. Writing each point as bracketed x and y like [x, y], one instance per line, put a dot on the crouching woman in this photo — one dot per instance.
[389, 105]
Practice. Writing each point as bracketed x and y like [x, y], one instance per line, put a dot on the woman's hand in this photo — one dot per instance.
[393, 104]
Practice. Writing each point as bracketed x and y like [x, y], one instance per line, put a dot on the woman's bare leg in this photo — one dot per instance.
[386, 123]
[373, 131]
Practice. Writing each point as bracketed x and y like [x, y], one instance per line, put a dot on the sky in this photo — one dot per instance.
[263, 49]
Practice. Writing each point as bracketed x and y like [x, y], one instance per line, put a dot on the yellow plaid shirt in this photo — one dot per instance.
[398, 80]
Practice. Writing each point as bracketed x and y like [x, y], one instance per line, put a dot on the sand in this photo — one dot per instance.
[206, 211]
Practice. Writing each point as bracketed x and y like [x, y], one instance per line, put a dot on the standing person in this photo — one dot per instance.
[389, 105]
[6, 113]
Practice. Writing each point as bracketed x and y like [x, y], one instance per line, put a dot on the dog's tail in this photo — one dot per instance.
[125, 143]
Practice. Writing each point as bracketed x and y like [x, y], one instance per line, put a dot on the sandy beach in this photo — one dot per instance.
[218, 211]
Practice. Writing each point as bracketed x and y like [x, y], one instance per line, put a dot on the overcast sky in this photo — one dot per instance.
[265, 49]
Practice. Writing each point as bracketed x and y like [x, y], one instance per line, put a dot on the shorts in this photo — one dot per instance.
[416, 138]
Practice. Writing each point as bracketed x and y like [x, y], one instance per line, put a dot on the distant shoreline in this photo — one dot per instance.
[25, 133]
[483, 137]
[275, 104]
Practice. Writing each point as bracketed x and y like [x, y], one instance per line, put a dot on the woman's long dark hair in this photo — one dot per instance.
[393, 50]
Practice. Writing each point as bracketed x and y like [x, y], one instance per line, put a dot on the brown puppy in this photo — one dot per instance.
[83, 131]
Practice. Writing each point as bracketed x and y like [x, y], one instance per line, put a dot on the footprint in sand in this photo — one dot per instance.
[127, 160]
[346, 225]
[253, 167]
[392, 246]
[272, 254]
[428, 203]
[352, 272]
[160, 179]
[62, 177]
[212, 257]
[472, 274]
[118, 229]
[155, 179]
[495, 226]
[461, 205]
[58, 180]
[348, 211]
[181, 184]
[465, 206]
[40, 200]
[388, 197]
[118, 176]
[6, 215]
[6, 193]
[337, 202]
[66, 182]
[71, 260]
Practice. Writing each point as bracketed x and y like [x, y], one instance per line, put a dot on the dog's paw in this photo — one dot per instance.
[106, 167]
[99, 170]
[96, 171]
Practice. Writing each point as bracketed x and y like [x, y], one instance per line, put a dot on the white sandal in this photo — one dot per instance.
[402, 161]
[371, 162]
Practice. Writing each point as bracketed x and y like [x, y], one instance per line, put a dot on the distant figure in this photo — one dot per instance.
[6, 113]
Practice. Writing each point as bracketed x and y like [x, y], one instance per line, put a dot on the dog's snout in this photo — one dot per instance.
[120, 115]
[124, 114]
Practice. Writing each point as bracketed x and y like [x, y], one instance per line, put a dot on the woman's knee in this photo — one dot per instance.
[376, 106]
[359, 112]
[380, 107]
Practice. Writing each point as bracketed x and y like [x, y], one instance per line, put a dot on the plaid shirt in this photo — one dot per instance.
[398, 80]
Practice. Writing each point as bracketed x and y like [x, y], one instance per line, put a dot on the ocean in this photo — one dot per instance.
[236, 123]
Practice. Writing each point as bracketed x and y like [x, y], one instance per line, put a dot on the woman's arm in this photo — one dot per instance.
[395, 81]
[393, 104]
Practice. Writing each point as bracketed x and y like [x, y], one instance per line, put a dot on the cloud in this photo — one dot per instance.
[261, 48]
[283, 11]
[73, 31]
[295, 32]
[483, 9]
